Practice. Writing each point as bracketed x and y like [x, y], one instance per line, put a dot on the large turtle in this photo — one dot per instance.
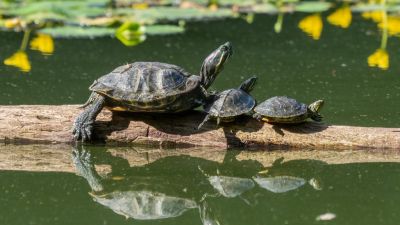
[230, 103]
[149, 87]
[281, 109]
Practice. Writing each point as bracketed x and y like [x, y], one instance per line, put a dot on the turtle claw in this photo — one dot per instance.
[82, 131]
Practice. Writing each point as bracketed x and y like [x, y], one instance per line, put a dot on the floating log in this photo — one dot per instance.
[57, 158]
[45, 124]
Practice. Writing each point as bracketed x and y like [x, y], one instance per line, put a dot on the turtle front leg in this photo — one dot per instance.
[83, 125]
[257, 116]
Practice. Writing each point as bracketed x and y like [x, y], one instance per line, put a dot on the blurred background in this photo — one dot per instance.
[345, 52]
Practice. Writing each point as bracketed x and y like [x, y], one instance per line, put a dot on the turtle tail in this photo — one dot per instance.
[207, 118]
[90, 100]
[314, 109]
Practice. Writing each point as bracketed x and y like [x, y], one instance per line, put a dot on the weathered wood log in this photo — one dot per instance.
[57, 158]
[28, 124]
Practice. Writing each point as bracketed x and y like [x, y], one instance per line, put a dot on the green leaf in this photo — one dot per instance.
[78, 32]
[130, 33]
[65, 8]
[154, 14]
[163, 29]
[362, 7]
[312, 7]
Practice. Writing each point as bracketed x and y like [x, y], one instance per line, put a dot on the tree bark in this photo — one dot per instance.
[30, 124]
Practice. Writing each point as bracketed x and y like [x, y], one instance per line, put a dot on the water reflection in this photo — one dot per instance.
[148, 196]
[170, 187]
[38, 185]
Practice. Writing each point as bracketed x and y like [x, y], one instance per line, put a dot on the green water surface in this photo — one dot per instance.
[333, 68]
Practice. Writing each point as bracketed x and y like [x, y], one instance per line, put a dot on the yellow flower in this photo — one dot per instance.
[341, 17]
[392, 25]
[312, 25]
[213, 7]
[12, 23]
[380, 58]
[20, 60]
[375, 16]
[140, 6]
[43, 43]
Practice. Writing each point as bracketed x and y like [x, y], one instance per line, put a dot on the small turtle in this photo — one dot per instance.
[149, 87]
[281, 109]
[230, 103]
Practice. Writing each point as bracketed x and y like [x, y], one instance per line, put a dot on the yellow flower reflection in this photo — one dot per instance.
[392, 25]
[20, 60]
[380, 58]
[376, 16]
[312, 25]
[43, 43]
[341, 17]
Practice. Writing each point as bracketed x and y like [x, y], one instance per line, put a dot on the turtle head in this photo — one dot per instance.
[316, 106]
[214, 63]
[248, 84]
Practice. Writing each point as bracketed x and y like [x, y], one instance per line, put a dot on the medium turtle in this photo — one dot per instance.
[281, 109]
[149, 87]
[230, 103]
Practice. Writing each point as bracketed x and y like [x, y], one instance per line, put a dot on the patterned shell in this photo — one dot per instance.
[232, 102]
[281, 106]
[141, 81]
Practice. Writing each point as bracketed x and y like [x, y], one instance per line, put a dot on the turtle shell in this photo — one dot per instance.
[230, 103]
[142, 82]
[281, 107]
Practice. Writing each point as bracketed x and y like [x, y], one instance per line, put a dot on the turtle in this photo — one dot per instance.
[282, 109]
[150, 87]
[230, 103]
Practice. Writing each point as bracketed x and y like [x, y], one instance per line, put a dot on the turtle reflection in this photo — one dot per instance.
[283, 177]
[280, 184]
[167, 187]
[140, 198]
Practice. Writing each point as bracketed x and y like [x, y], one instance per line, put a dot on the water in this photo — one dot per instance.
[333, 68]
[120, 186]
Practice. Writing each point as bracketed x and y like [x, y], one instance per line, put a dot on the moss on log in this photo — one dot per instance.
[30, 124]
